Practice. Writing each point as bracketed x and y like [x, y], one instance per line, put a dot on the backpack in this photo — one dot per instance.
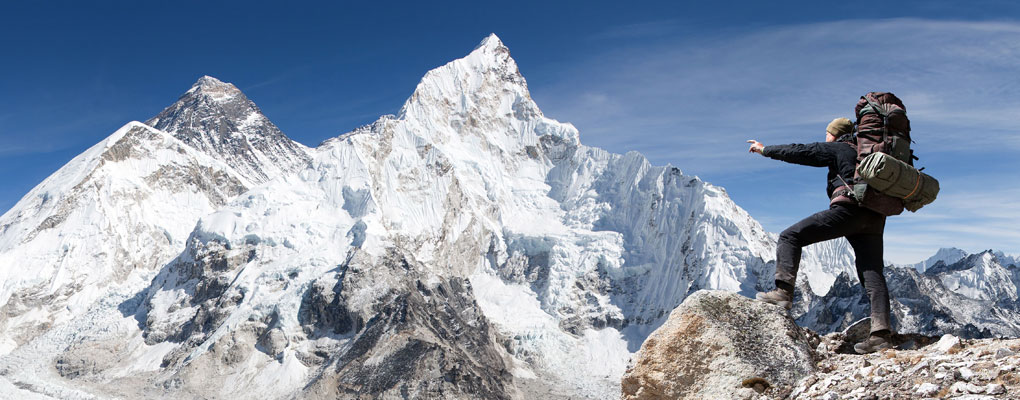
[887, 184]
[883, 127]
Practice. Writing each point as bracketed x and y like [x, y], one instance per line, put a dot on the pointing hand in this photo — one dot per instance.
[755, 146]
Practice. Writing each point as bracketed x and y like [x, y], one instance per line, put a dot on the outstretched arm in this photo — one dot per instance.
[812, 154]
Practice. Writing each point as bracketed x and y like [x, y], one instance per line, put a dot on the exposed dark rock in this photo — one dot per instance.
[423, 339]
[216, 118]
[206, 271]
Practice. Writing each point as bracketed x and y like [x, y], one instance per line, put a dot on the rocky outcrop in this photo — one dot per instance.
[375, 327]
[719, 345]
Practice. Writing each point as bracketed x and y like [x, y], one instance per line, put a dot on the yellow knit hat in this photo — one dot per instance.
[839, 127]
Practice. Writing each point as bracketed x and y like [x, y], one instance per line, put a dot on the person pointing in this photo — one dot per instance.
[863, 228]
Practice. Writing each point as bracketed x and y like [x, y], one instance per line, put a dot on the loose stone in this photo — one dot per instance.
[927, 389]
[948, 343]
[965, 374]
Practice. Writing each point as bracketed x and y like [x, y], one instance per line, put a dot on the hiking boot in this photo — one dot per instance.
[778, 297]
[873, 343]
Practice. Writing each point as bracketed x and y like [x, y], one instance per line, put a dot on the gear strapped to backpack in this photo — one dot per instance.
[886, 181]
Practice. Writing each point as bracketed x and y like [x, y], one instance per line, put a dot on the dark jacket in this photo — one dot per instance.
[839, 156]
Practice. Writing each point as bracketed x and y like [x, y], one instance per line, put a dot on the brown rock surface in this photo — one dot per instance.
[719, 345]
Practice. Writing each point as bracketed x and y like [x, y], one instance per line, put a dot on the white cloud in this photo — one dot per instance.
[10, 150]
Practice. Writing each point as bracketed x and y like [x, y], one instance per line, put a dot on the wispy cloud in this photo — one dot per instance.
[692, 102]
[282, 77]
[768, 83]
[40, 139]
[7, 149]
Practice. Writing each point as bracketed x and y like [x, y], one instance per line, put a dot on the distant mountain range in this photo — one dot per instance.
[969, 295]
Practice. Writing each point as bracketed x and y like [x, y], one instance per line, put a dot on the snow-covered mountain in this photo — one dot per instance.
[118, 212]
[217, 119]
[976, 296]
[467, 247]
[1006, 259]
[946, 255]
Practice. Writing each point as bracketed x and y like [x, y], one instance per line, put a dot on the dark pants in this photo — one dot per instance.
[863, 229]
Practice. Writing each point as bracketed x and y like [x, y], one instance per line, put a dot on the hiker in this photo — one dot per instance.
[862, 227]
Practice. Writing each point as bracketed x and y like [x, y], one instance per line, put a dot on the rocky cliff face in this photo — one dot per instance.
[420, 337]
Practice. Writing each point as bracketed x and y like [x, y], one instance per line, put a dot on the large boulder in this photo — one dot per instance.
[719, 345]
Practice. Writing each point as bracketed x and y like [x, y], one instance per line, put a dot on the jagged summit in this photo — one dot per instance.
[486, 82]
[492, 54]
[213, 88]
[218, 119]
[490, 41]
[208, 81]
[489, 63]
[211, 97]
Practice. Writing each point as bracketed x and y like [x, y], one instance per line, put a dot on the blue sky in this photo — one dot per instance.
[684, 83]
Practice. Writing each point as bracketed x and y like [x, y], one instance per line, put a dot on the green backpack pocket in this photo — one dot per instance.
[895, 178]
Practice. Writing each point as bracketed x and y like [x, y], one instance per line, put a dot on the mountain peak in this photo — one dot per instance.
[492, 41]
[214, 88]
[488, 71]
[207, 80]
[491, 53]
[221, 106]
[948, 255]
[218, 119]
